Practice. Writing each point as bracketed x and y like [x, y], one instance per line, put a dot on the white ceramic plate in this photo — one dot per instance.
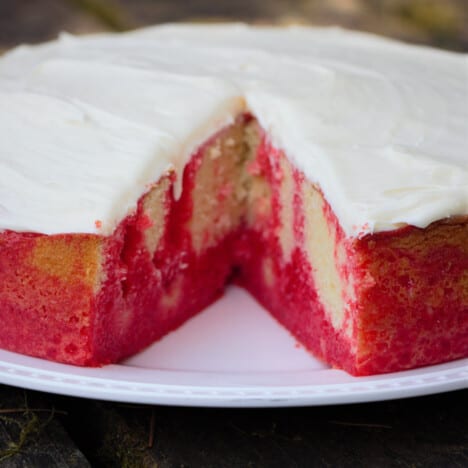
[233, 355]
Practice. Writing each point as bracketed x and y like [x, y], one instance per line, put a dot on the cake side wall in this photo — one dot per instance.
[47, 294]
[413, 297]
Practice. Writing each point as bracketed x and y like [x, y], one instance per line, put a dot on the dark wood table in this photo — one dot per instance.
[45, 430]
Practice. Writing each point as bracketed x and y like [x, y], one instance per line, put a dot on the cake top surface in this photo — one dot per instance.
[89, 123]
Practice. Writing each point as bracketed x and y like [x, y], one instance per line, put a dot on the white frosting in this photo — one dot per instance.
[89, 122]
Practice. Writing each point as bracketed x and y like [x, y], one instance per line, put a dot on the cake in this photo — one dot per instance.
[323, 170]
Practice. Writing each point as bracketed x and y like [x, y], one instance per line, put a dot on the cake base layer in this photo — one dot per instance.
[381, 303]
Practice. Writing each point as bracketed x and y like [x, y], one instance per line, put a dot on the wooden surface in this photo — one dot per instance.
[70, 432]
[43, 430]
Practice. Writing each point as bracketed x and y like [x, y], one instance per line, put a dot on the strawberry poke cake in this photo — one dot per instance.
[325, 171]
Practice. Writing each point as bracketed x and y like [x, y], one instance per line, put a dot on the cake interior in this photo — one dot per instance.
[380, 303]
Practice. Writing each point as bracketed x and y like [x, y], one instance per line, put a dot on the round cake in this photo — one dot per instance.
[323, 170]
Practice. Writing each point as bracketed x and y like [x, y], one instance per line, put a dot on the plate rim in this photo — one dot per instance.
[120, 383]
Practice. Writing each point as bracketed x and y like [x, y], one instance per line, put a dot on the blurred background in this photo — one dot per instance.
[442, 23]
